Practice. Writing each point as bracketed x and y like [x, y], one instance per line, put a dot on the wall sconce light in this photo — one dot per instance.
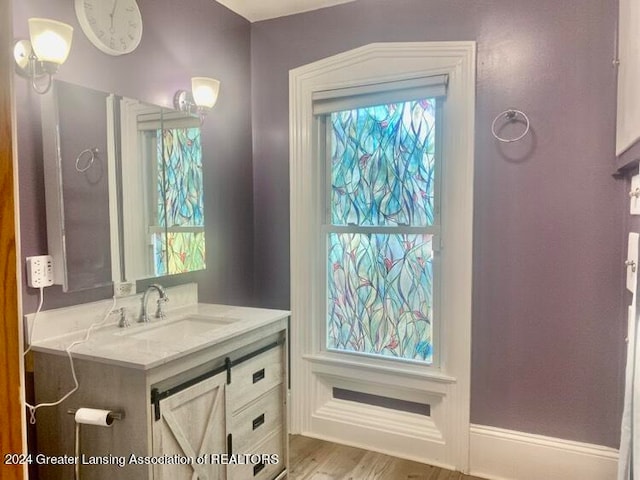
[48, 49]
[201, 98]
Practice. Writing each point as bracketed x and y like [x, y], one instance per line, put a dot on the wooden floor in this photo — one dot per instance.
[312, 459]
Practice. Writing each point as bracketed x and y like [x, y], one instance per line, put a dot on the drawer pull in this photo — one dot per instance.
[259, 375]
[258, 421]
[257, 469]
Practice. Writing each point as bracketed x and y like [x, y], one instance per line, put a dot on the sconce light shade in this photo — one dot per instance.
[205, 91]
[50, 39]
[48, 49]
[202, 97]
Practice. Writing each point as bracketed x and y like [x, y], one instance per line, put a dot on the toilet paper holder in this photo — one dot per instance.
[106, 421]
[111, 415]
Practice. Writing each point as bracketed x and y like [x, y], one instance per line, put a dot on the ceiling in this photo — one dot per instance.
[256, 10]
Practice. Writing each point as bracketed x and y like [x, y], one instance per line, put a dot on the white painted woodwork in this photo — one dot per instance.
[257, 11]
[192, 425]
[444, 439]
[499, 454]
[628, 113]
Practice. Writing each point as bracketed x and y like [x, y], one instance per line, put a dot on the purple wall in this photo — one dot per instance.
[548, 334]
[178, 42]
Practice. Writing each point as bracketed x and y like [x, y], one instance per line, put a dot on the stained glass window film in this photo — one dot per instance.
[380, 283]
[380, 294]
[180, 199]
[178, 252]
[382, 164]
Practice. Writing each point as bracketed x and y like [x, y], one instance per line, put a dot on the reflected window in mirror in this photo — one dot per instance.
[178, 239]
[163, 192]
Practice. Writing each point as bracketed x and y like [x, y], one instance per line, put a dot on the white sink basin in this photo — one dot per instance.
[180, 329]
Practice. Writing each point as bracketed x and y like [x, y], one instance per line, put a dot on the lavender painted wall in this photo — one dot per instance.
[180, 40]
[548, 333]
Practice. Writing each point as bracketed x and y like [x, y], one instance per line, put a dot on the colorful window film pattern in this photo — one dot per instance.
[180, 199]
[380, 285]
[179, 252]
[380, 294]
[382, 165]
[180, 202]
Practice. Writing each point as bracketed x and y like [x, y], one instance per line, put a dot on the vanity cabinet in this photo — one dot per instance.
[223, 407]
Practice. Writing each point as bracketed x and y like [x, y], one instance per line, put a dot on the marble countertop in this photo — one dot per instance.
[185, 330]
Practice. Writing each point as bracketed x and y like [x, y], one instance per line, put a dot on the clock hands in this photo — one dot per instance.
[113, 11]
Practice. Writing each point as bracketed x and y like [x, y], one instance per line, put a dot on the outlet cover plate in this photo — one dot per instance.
[634, 209]
[632, 256]
[124, 289]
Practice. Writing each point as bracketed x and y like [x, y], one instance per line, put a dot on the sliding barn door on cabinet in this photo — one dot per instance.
[192, 425]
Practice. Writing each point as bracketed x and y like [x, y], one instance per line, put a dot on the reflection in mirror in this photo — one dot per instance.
[75, 121]
[163, 222]
[134, 209]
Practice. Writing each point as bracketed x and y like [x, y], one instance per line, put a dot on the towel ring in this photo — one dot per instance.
[93, 152]
[510, 115]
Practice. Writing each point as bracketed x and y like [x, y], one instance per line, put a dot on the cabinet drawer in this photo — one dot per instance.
[254, 377]
[251, 425]
[273, 445]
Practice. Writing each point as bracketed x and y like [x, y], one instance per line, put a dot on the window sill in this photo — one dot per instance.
[404, 370]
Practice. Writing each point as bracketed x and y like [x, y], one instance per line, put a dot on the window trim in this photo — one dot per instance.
[313, 409]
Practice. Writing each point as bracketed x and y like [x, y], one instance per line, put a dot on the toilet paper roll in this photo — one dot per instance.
[94, 416]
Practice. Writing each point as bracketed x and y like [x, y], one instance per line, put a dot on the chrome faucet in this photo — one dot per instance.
[144, 317]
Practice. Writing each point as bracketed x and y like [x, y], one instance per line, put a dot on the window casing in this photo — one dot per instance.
[442, 438]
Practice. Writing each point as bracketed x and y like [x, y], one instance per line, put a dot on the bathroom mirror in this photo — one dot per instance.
[124, 188]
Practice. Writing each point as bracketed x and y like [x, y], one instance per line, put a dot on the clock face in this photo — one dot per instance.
[113, 26]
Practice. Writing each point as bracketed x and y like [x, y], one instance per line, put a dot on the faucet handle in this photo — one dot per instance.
[124, 320]
[159, 311]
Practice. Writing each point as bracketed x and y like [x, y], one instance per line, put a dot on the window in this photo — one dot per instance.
[381, 171]
[382, 210]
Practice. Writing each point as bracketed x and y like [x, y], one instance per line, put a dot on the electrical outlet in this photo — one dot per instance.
[40, 271]
[124, 289]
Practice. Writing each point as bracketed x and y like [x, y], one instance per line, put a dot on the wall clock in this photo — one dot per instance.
[113, 26]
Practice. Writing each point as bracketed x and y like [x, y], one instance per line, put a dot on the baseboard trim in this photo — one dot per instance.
[499, 454]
